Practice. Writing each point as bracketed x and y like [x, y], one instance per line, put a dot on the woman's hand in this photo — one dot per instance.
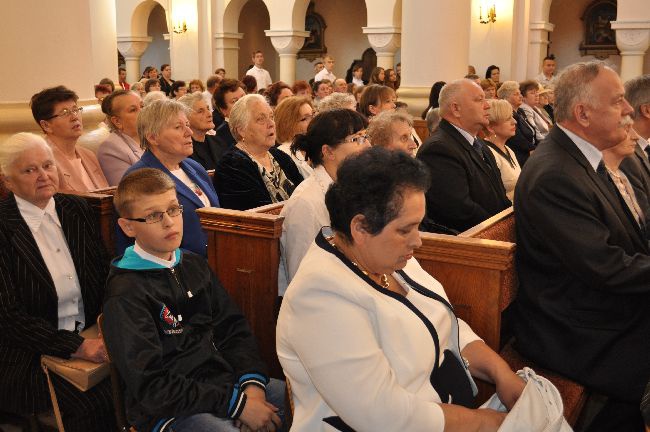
[92, 350]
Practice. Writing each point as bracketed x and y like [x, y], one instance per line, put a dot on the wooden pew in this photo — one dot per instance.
[244, 252]
[421, 128]
[101, 201]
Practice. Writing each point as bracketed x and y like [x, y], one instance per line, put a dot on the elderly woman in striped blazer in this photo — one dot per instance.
[52, 272]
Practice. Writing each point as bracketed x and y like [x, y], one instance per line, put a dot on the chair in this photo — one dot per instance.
[116, 385]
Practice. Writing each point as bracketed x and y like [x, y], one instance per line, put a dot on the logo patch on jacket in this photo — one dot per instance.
[171, 325]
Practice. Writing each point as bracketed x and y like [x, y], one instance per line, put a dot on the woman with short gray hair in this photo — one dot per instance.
[524, 141]
[53, 267]
[166, 137]
[254, 173]
[208, 148]
[392, 130]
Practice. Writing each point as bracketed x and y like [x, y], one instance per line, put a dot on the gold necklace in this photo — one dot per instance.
[383, 278]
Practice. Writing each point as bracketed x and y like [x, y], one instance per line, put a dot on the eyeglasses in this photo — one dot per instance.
[156, 217]
[67, 113]
[359, 139]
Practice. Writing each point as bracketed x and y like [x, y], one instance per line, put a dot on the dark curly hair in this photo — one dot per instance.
[372, 184]
[331, 128]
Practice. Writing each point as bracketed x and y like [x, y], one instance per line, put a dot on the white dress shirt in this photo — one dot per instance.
[304, 168]
[591, 153]
[324, 74]
[357, 82]
[46, 229]
[545, 81]
[262, 77]
[304, 214]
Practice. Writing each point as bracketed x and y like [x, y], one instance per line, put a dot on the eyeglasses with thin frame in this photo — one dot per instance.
[67, 113]
[359, 139]
[156, 217]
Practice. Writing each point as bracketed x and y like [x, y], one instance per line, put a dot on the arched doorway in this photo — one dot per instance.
[157, 53]
[253, 20]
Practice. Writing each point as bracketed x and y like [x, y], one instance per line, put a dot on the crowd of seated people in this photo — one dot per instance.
[272, 144]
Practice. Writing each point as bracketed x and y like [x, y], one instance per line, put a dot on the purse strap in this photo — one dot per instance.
[55, 403]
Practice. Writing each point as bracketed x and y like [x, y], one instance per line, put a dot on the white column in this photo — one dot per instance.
[287, 43]
[132, 48]
[205, 42]
[538, 39]
[227, 52]
[633, 40]
[385, 41]
[435, 47]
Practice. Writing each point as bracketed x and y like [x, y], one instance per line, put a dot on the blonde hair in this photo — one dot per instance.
[155, 116]
[15, 145]
[287, 116]
[500, 110]
[507, 89]
[137, 184]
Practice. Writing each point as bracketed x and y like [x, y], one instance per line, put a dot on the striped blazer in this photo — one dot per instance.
[28, 299]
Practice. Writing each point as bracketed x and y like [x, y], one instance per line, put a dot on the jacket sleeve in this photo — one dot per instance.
[21, 330]
[113, 162]
[239, 184]
[299, 229]
[133, 342]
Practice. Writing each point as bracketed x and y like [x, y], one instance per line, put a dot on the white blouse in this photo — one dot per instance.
[509, 169]
[304, 215]
[304, 168]
[353, 352]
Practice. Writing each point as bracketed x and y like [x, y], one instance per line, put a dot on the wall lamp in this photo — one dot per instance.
[180, 27]
[491, 15]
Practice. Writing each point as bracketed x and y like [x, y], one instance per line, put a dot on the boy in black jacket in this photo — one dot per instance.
[185, 352]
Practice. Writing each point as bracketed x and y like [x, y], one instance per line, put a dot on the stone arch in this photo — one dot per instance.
[140, 16]
[231, 15]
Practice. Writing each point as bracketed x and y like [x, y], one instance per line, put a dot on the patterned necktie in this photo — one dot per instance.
[478, 146]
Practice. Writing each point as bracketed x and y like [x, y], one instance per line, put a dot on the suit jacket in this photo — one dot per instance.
[209, 152]
[116, 154]
[165, 86]
[28, 299]
[194, 239]
[584, 274]
[238, 181]
[465, 189]
[637, 162]
[224, 135]
[69, 181]
[524, 141]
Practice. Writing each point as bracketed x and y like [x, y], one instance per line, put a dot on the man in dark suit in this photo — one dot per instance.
[466, 186]
[583, 264]
[637, 92]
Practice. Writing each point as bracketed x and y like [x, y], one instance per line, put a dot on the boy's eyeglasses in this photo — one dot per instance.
[156, 217]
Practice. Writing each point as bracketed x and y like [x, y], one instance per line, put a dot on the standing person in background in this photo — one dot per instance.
[166, 80]
[547, 77]
[357, 74]
[221, 72]
[122, 79]
[318, 66]
[211, 85]
[327, 71]
[261, 75]
[434, 94]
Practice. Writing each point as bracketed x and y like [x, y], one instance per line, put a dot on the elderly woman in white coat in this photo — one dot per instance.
[366, 337]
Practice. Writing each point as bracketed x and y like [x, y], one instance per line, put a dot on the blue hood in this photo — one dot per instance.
[132, 261]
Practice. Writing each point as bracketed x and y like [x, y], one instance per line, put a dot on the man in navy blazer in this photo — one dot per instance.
[582, 262]
[466, 186]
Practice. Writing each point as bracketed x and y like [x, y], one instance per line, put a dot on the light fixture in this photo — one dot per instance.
[180, 27]
[491, 15]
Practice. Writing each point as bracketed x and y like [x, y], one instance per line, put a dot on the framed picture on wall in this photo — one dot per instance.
[314, 45]
[600, 39]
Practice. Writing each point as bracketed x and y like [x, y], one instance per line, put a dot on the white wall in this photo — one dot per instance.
[491, 44]
[344, 38]
[569, 33]
[253, 20]
[157, 53]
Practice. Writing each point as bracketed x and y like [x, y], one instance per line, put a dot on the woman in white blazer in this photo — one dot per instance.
[365, 336]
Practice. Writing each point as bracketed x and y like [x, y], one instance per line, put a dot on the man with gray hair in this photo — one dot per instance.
[582, 261]
[637, 92]
[466, 186]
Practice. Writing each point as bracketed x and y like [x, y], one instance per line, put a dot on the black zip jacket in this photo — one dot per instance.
[180, 343]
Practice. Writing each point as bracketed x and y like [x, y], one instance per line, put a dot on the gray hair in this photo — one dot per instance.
[155, 116]
[507, 89]
[15, 145]
[153, 96]
[449, 93]
[337, 101]
[433, 119]
[574, 86]
[380, 128]
[637, 92]
[240, 113]
[190, 99]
